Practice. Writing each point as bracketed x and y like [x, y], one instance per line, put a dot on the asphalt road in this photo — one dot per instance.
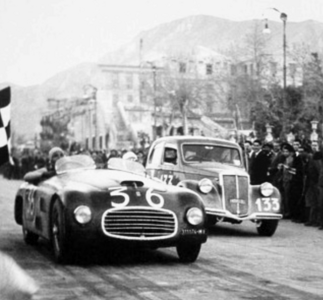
[235, 263]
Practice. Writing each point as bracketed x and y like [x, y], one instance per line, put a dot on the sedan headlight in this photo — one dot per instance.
[266, 189]
[83, 214]
[205, 185]
[194, 216]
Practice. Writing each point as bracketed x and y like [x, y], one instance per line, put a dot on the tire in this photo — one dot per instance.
[267, 227]
[30, 238]
[187, 252]
[59, 242]
[211, 221]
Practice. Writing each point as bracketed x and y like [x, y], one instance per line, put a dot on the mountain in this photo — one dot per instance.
[182, 36]
[177, 37]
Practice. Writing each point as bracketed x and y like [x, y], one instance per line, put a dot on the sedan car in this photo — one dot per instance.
[117, 206]
[215, 169]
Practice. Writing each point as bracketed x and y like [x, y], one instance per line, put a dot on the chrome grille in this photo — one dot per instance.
[235, 190]
[139, 223]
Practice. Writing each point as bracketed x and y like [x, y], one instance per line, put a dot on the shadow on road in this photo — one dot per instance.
[111, 256]
[234, 230]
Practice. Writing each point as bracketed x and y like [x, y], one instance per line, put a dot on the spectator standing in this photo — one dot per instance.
[320, 203]
[259, 164]
[286, 172]
[297, 206]
[312, 172]
[275, 177]
[247, 151]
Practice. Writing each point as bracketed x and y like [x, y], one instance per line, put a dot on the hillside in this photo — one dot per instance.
[176, 37]
[183, 35]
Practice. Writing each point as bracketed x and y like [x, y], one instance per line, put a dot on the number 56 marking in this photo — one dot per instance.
[268, 204]
[153, 199]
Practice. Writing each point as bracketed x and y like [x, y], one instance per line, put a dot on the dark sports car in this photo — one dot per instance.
[121, 205]
[215, 169]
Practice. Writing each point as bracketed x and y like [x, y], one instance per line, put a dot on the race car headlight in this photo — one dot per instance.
[83, 214]
[194, 216]
[205, 185]
[266, 189]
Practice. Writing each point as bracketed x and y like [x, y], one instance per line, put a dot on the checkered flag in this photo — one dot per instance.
[5, 125]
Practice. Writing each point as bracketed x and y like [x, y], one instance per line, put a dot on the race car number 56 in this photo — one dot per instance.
[153, 199]
[268, 204]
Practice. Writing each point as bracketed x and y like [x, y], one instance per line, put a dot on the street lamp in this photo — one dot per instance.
[283, 17]
[314, 135]
[269, 136]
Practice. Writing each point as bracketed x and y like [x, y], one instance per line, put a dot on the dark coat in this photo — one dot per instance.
[259, 167]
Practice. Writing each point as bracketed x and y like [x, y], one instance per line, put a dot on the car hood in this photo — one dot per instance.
[212, 168]
[103, 179]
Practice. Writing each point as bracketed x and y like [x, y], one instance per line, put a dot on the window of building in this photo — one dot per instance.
[233, 70]
[273, 68]
[115, 80]
[251, 70]
[292, 69]
[245, 69]
[209, 69]
[115, 98]
[182, 67]
[101, 142]
[129, 82]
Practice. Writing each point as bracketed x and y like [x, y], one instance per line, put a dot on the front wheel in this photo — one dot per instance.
[187, 252]
[58, 233]
[30, 238]
[267, 227]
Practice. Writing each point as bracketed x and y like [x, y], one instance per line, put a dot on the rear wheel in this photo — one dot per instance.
[58, 233]
[29, 237]
[267, 227]
[188, 252]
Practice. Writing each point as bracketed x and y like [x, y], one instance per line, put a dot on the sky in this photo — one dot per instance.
[40, 38]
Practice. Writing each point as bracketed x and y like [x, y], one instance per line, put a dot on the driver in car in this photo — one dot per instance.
[45, 173]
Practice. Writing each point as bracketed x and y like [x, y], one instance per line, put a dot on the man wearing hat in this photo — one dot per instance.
[44, 173]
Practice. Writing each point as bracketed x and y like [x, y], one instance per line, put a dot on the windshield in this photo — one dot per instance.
[211, 153]
[126, 165]
[73, 163]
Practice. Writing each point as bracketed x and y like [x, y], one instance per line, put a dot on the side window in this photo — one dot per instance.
[155, 157]
[170, 156]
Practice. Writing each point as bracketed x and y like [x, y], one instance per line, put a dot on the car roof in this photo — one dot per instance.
[196, 139]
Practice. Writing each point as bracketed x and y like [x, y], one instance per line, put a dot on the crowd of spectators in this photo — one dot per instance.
[296, 169]
[30, 159]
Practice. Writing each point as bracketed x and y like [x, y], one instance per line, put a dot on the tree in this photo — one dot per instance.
[183, 88]
[54, 132]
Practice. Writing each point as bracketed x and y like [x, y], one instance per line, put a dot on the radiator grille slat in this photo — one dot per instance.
[236, 194]
[139, 223]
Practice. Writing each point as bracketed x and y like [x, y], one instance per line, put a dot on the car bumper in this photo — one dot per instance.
[253, 216]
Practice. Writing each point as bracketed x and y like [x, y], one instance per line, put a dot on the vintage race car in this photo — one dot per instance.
[120, 206]
[215, 169]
